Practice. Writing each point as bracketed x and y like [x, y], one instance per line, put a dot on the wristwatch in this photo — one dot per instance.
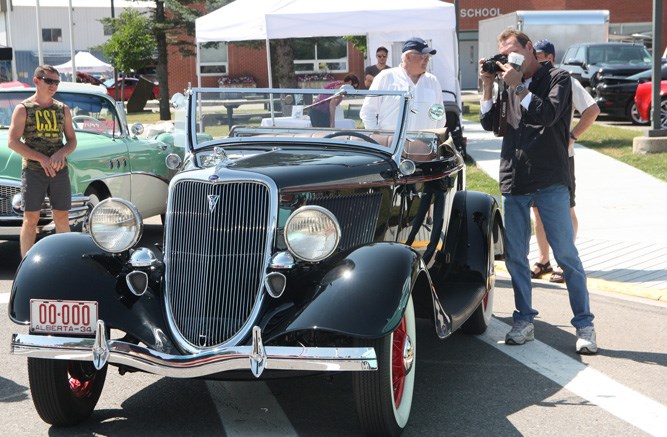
[519, 88]
[573, 137]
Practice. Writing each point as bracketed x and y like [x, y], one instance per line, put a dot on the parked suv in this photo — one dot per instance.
[583, 61]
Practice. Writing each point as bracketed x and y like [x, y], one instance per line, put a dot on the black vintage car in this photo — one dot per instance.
[288, 251]
[615, 95]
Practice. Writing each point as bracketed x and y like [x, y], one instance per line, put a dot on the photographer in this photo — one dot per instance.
[534, 170]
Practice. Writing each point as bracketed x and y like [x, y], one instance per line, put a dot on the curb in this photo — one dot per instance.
[611, 286]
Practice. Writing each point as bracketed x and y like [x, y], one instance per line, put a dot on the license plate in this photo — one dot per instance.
[62, 317]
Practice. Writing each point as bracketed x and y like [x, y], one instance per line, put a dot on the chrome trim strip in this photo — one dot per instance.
[318, 359]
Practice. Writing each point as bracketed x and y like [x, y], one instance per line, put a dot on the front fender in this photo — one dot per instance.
[475, 220]
[362, 294]
[69, 266]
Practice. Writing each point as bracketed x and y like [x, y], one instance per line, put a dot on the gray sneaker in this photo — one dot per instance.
[520, 333]
[586, 341]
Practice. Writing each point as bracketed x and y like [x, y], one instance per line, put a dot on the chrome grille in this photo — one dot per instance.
[357, 216]
[214, 257]
[6, 194]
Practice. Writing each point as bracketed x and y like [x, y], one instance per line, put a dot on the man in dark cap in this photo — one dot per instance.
[411, 75]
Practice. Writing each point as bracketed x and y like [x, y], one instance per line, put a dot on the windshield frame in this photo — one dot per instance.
[250, 136]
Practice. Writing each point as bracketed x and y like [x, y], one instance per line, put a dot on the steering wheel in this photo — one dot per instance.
[350, 133]
[84, 118]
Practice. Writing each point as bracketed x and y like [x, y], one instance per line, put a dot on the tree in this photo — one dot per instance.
[137, 38]
[179, 19]
[132, 44]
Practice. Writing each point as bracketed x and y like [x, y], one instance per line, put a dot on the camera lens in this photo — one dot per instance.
[489, 66]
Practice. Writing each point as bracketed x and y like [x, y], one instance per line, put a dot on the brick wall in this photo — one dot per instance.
[620, 11]
[242, 60]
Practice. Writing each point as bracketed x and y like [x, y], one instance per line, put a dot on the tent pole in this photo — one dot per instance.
[71, 40]
[198, 65]
[268, 65]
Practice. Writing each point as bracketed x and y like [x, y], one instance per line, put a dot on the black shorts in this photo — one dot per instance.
[574, 183]
[36, 185]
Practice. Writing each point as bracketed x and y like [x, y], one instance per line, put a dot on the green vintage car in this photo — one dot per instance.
[110, 159]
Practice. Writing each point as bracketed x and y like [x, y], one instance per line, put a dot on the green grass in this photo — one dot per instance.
[478, 180]
[611, 141]
[617, 143]
[145, 117]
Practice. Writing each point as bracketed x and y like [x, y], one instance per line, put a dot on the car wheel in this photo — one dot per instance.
[64, 392]
[384, 397]
[663, 113]
[633, 114]
[480, 319]
[94, 197]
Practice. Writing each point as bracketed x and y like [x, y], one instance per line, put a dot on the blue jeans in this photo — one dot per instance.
[553, 203]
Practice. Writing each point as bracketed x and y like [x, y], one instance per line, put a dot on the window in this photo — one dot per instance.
[312, 55]
[213, 59]
[108, 29]
[52, 35]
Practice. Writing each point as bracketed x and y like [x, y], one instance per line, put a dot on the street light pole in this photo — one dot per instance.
[657, 48]
[115, 73]
[40, 55]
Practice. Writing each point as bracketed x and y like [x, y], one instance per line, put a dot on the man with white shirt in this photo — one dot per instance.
[584, 103]
[411, 75]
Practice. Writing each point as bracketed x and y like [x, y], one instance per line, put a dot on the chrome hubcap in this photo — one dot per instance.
[408, 354]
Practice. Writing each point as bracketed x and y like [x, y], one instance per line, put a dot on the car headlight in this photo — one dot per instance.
[115, 225]
[312, 233]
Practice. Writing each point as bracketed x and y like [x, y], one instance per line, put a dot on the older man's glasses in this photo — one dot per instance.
[49, 81]
[421, 56]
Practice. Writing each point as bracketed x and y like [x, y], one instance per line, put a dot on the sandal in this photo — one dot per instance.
[557, 276]
[541, 269]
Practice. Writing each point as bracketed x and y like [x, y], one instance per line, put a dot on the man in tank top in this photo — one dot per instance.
[36, 133]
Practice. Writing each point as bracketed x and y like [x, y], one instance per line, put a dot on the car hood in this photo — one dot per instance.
[622, 70]
[297, 169]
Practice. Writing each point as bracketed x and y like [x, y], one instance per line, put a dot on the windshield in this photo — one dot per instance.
[373, 119]
[90, 112]
[619, 54]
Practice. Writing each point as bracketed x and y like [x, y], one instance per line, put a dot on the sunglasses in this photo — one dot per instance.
[381, 56]
[49, 81]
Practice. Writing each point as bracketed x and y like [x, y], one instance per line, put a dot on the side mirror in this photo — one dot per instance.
[137, 129]
[178, 101]
[572, 61]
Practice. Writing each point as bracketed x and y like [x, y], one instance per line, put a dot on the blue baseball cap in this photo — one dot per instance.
[545, 46]
[419, 45]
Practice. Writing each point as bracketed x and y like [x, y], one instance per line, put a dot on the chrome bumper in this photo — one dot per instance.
[255, 358]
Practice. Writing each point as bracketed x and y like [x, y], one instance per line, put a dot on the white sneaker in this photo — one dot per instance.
[586, 341]
[520, 333]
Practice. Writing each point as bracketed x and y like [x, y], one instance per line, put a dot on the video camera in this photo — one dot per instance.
[489, 65]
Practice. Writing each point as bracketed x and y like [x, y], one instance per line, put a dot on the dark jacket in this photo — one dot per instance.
[534, 156]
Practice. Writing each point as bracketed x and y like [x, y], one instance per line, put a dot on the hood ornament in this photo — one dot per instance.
[212, 201]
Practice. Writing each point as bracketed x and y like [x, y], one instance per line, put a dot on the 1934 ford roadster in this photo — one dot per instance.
[288, 250]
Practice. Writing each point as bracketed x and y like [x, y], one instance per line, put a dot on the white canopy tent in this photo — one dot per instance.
[385, 23]
[86, 63]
